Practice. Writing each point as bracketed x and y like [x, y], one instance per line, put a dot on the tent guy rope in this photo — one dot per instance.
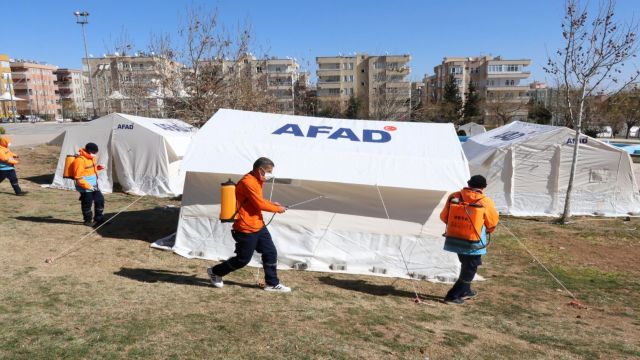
[68, 250]
[575, 299]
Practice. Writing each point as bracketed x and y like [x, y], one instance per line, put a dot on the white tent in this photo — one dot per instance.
[527, 168]
[355, 165]
[472, 129]
[143, 155]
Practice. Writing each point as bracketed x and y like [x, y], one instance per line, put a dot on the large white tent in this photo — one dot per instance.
[362, 170]
[527, 168]
[141, 154]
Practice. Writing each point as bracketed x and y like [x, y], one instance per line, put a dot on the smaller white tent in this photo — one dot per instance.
[365, 171]
[141, 154]
[472, 129]
[527, 167]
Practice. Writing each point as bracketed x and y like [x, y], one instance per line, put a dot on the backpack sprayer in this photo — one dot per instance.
[229, 207]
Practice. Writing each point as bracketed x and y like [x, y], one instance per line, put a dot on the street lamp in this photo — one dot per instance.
[82, 19]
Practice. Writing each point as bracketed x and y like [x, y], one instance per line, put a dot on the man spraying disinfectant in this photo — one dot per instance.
[250, 231]
[84, 171]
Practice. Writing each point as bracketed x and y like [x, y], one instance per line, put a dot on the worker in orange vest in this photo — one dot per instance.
[249, 230]
[85, 173]
[470, 215]
[8, 162]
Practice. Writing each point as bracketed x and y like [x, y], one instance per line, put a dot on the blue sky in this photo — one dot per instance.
[428, 30]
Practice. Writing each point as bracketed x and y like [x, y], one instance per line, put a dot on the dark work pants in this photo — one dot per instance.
[246, 244]
[468, 269]
[89, 198]
[13, 179]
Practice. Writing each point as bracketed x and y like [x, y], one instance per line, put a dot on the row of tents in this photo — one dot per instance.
[365, 195]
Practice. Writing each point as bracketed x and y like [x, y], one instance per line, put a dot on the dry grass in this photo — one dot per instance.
[114, 297]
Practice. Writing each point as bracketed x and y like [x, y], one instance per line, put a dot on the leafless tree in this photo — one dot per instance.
[504, 107]
[594, 51]
[625, 107]
[216, 69]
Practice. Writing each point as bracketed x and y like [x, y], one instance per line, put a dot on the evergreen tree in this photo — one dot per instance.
[353, 107]
[452, 103]
[471, 108]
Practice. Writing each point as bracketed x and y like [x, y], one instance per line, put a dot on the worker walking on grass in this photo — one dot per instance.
[85, 174]
[250, 231]
[470, 215]
[8, 161]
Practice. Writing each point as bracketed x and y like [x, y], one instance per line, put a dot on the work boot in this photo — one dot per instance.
[22, 193]
[90, 223]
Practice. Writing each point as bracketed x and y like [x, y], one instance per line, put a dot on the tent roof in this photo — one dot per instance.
[395, 154]
[478, 148]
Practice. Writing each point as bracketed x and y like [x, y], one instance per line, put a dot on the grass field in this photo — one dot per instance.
[114, 297]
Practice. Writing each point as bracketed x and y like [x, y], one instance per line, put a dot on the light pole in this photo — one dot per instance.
[82, 19]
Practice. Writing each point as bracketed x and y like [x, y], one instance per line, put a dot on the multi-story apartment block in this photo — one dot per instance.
[497, 80]
[378, 83]
[278, 77]
[36, 83]
[71, 85]
[7, 105]
[127, 83]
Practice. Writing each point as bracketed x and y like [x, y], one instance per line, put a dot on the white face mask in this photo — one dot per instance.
[268, 176]
[92, 155]
[8, 144]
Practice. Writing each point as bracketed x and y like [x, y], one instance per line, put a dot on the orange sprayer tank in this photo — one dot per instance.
[67, 166]
[465, 220]
[228, 201]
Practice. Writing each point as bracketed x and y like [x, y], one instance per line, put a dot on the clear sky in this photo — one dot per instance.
[45, 30]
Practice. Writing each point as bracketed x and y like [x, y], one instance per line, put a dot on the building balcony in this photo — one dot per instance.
[524, 88]
[397, 84]
[404, 70]
[328, 84]
[514, 75]
[280, 86]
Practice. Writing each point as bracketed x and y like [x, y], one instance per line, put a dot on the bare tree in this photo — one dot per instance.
[625, 107]
[504, 107]
[217, 69]
[593, 54]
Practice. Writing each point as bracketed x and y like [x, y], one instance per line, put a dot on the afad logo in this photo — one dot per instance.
[125, 126]
[368, 135]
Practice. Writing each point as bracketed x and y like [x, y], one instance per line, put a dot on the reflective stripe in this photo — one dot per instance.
[4, 166]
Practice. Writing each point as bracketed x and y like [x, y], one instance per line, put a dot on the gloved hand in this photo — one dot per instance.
[100, 167]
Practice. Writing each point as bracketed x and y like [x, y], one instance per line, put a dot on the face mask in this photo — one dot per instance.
[92, 155]
[266, 175]
[8, 144]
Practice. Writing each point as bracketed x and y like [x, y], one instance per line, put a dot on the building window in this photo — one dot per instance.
[495, 68]
[348, 78]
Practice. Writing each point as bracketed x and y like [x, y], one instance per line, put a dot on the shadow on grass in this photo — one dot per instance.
[165, 276]
[147, 225]
[48, 220]
[43, 179]
[374, 289]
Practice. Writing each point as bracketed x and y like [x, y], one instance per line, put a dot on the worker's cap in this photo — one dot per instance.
[91, 147]
[477, 181]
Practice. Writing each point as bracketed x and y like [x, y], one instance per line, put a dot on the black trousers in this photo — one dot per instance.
[246, 244]
[468, 269]
[95, 199]
[13, 179]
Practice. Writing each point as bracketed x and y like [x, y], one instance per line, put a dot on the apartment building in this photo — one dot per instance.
[500, 82]
[36, 83]
[7, 106]
[279, 77]
[128, 84]
[378, 83]
[71, 92]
